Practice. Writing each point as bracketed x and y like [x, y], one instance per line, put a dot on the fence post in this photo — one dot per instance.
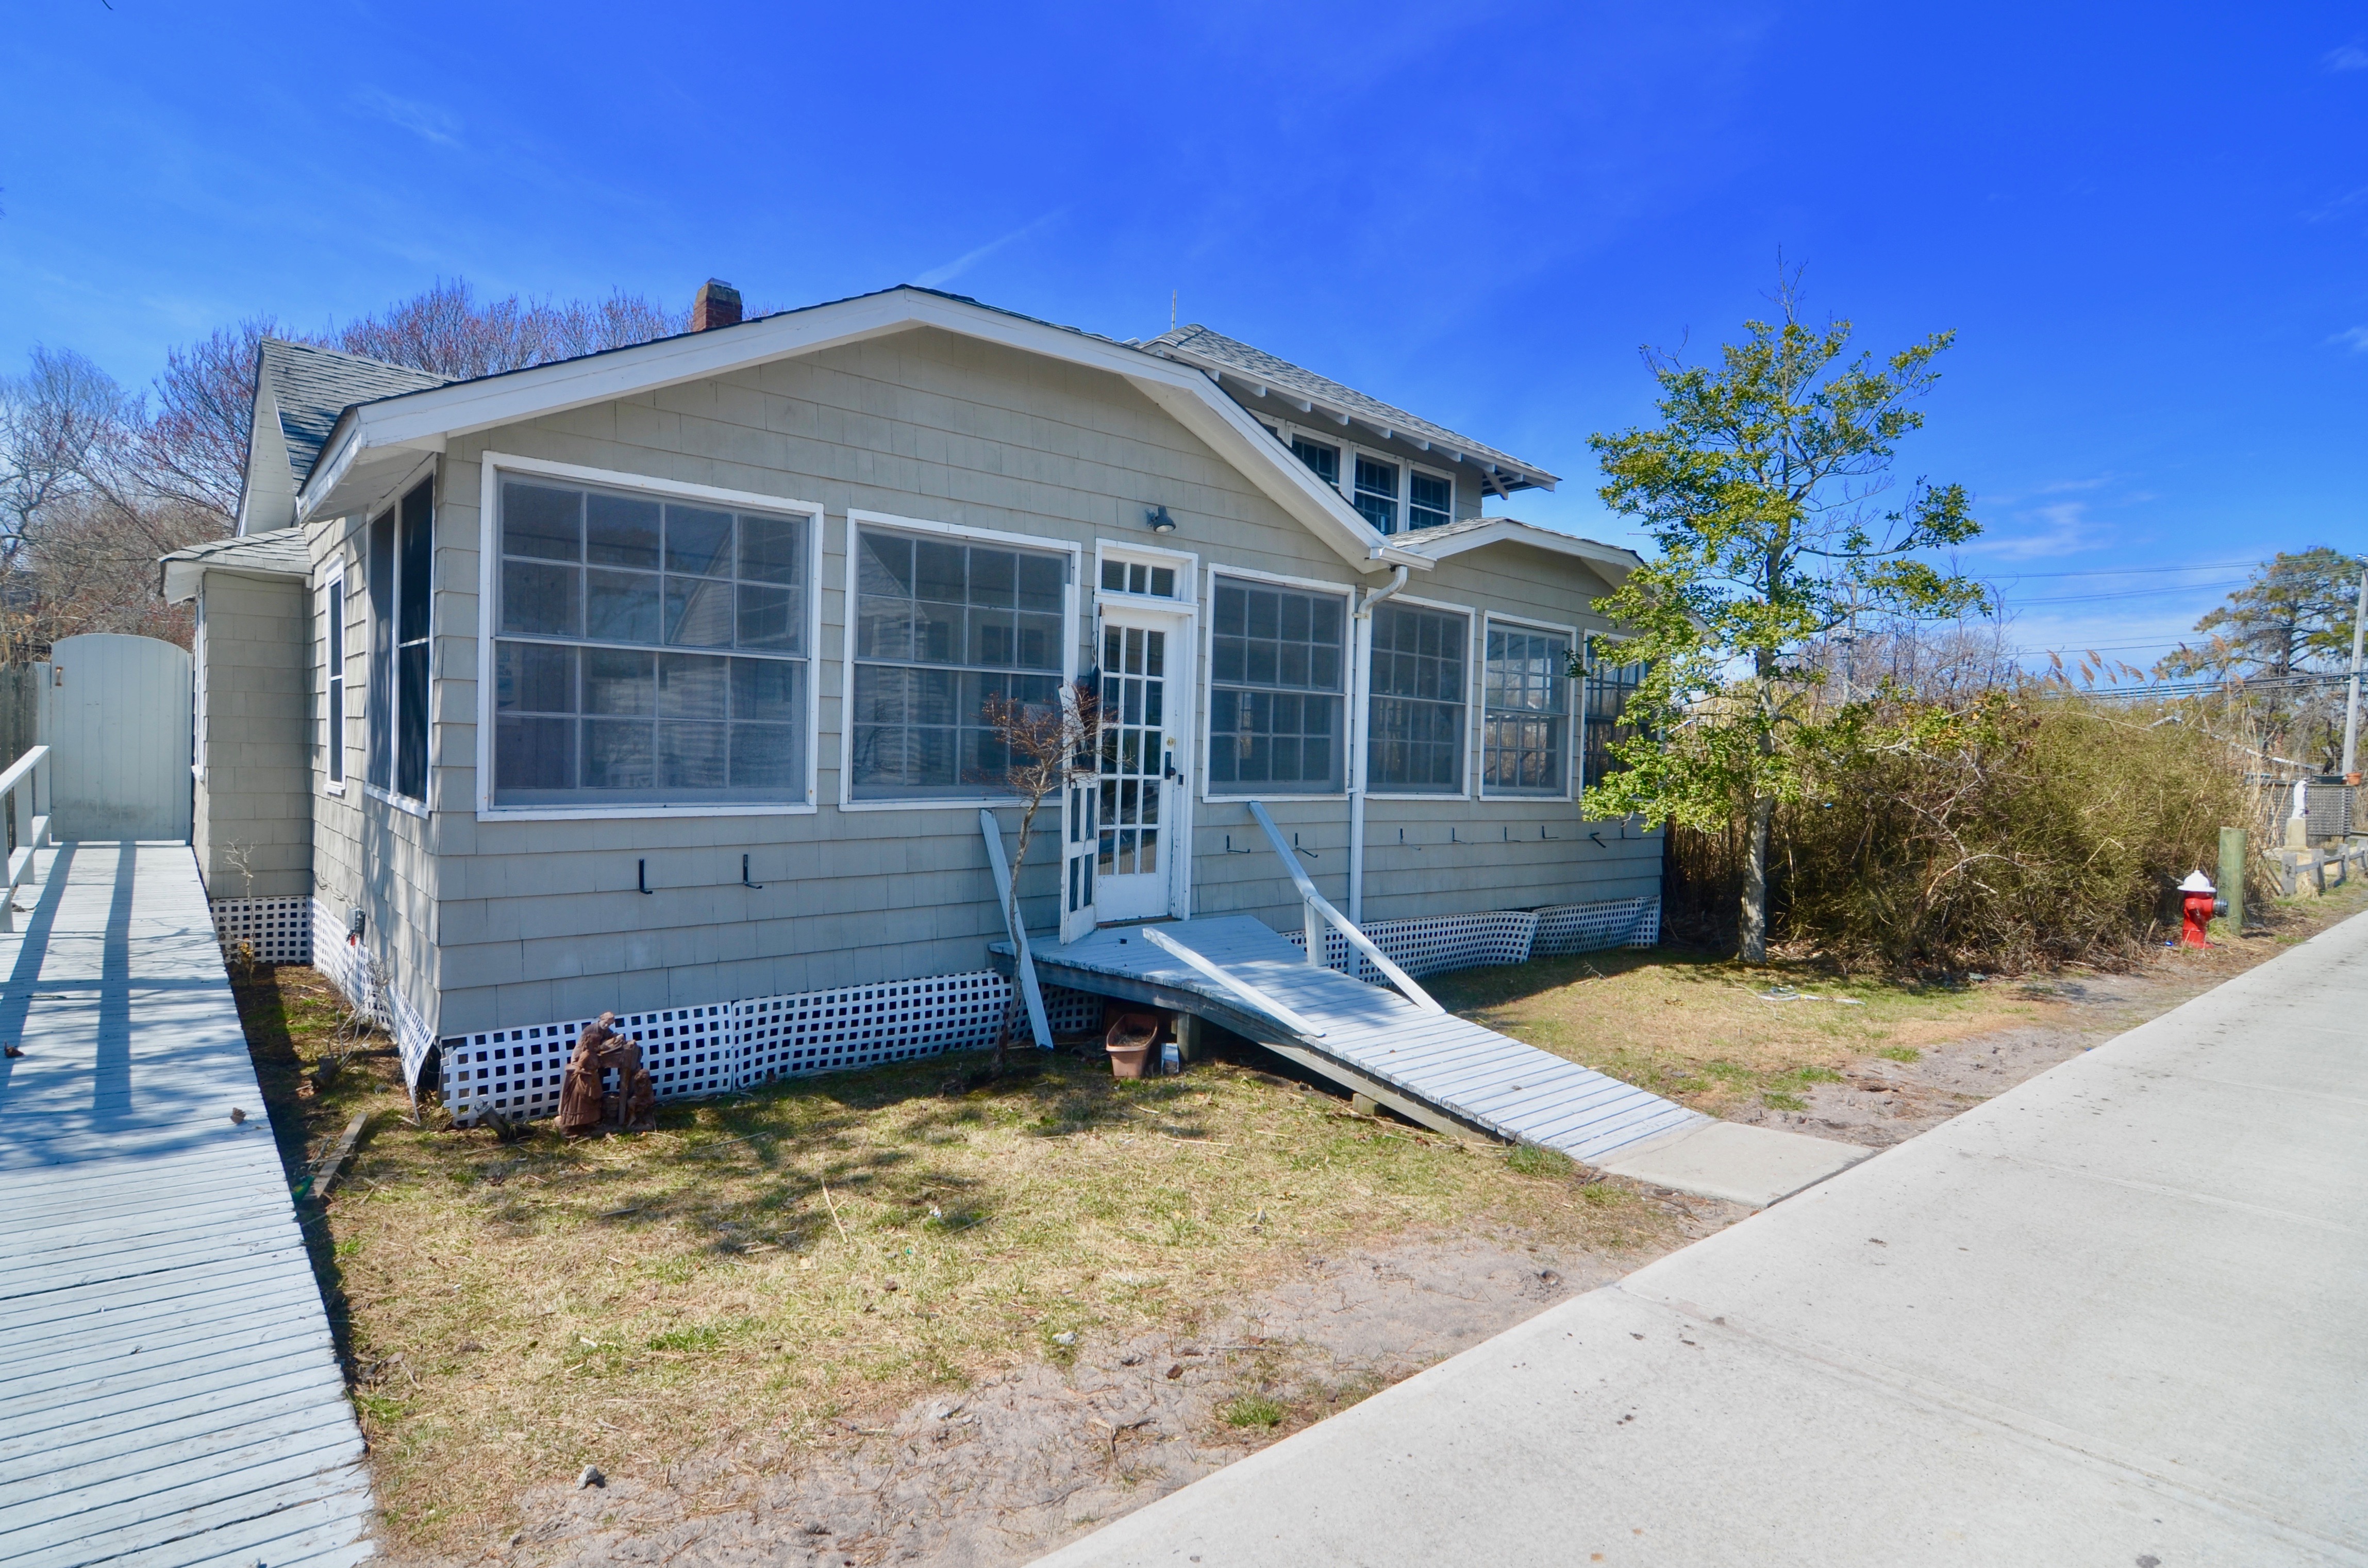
[2232, 876]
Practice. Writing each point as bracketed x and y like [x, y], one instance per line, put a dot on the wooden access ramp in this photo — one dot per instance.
[1430, 1066]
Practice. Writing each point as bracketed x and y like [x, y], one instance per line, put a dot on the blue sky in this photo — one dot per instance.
[2147, 225]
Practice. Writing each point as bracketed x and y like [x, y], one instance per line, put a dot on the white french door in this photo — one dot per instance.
[1138, 809]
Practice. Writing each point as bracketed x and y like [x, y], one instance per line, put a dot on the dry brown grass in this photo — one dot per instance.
[830, 1249]
[1707, 1032]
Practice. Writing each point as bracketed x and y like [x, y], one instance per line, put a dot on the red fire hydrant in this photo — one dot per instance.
[2198, 903]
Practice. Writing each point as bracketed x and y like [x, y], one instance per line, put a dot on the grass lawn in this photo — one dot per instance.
[826, 1249]
[1708, 1032]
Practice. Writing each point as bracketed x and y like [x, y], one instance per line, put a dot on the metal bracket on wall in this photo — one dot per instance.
[744, 874]
[641, 877]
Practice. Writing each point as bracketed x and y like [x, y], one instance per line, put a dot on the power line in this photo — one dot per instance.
[2135, 593]
[2130, 571]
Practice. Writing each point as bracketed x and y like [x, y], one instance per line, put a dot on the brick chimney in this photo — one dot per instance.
[718, 304]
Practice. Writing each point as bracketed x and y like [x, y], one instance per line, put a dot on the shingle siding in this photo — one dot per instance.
[495, 923]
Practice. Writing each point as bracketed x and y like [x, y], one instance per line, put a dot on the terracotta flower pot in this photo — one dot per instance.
[1132, 1038]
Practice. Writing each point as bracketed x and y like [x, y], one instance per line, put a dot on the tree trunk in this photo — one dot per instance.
[1754, 921]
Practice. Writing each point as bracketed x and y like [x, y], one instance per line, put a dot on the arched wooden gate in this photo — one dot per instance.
[118, 720]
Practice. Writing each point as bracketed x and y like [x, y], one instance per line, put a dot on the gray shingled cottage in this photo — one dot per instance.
[652, 680]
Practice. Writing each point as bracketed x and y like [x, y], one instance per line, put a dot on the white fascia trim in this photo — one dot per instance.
[1070, 593]
[1508, 530]
[491, 466]
[435, 413]
[1573, 694]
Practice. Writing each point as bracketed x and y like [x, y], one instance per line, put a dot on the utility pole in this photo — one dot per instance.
[2351, 703]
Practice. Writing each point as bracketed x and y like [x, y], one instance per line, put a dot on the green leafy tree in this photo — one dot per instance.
[2293, 618]
[1767, 487]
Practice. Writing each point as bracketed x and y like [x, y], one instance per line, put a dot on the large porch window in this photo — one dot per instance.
[401, 567]
[1275, 698]
[648, 651]
[942, 627]
[1608, 688]
[1526, 744]
[1413, 730]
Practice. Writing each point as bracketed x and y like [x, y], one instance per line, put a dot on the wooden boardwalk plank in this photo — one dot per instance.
[1461, 1069]
[169, 1392]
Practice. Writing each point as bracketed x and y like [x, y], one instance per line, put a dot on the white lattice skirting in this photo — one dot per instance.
[724, 1046]
[276, 930]
[348, 966]
[1435, 944]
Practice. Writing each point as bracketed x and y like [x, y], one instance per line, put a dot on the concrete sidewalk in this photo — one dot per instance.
[2118, 1315]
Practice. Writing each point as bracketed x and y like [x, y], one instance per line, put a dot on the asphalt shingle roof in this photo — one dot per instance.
[1195, 343]
[313, 385]
[281, 553]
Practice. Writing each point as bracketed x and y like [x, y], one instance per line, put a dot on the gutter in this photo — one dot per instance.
[1360, 686]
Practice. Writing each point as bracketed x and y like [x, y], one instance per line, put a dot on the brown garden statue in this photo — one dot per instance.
[584, 1106]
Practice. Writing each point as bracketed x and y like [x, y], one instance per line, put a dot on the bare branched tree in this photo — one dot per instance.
[1045, 746]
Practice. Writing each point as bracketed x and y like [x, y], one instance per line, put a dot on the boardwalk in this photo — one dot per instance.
[168, 1392]
[1475, 1075]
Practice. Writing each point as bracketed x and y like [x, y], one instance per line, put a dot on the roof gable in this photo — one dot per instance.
[300, 389]
[373, 446]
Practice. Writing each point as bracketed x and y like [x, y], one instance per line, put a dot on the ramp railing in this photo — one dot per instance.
[26, 787]
[1318, 912]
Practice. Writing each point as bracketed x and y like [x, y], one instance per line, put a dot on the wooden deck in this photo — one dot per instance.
[168, 1390]
[1440, 1069]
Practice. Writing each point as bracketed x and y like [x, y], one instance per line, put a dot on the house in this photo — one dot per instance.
[652, 680]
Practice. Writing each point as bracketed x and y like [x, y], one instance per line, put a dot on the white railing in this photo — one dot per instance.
[1023, 962]
[27, 784]
[1234, 983]
[1318, 910]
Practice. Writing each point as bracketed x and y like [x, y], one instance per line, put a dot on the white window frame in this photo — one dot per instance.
[1346, 593]
[1472, 691]
[1185, 563]
[423, 473]
[1350, 452]
[1405, 503]
[1574, 696]
[336, 716]
[1337, 440]
[493, 465]
[1070, 593]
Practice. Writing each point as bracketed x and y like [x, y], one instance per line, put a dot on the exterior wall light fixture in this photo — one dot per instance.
[1159, 521]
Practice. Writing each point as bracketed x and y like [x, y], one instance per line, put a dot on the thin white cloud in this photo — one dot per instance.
[425, 121]
[2355, 338]
[2061, 528]
[938, 276]
[2347, 57]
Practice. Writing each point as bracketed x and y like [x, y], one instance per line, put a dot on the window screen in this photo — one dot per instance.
[1525, 690]
[1414, 738]
[401, 563]
[333, 629]
[1274, 701]
[648, 651]
[1608, 688]
[942, 628]
[1430, 500]
[1377, 494]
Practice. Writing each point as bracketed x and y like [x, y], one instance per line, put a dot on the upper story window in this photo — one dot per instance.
[1324, 460]
[1138, 577]
[942, 626]
[648, 651]
[1414, 733]
[1377, 494]
[1275, 698]
[401, 565]
[1608, 688]
[1430, 500]
[1525, 748]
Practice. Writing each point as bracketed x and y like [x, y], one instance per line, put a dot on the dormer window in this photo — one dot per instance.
[1377, 494]
[1430, 500]
[1324, 461]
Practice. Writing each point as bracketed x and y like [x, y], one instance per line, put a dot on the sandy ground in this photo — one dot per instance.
[1019, 1464]
[1016, 1466]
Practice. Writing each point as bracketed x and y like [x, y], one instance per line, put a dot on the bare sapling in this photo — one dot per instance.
[1045, 748]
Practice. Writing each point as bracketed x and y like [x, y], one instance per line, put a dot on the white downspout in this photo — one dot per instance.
[1361, 658]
